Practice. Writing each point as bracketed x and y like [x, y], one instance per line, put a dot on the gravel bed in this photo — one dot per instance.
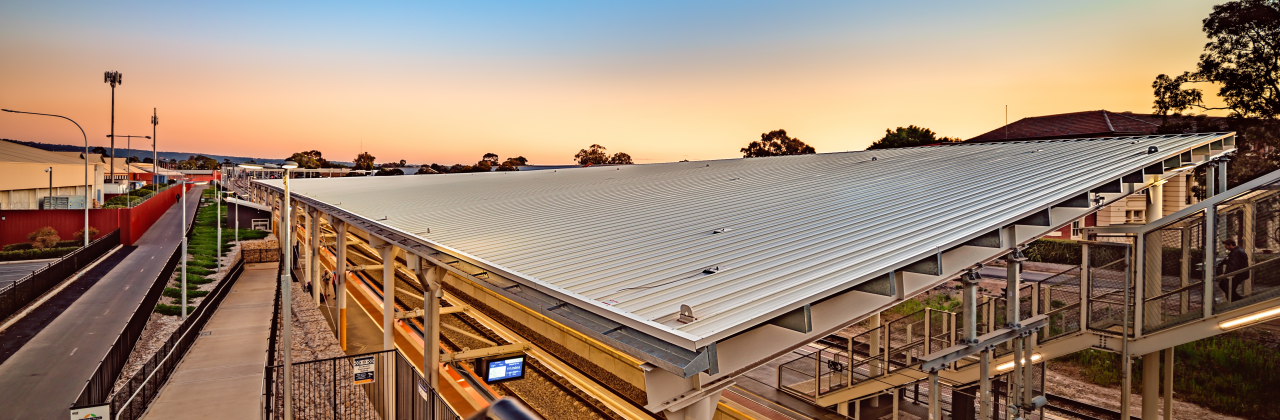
[1062, 381]
[313, 340]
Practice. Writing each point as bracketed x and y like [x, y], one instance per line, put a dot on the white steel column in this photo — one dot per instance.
[935, 409]
[984, 387]
[340, 287]
[431, 282]
[313, 254]
[1210, 249]
[1168, 383]
[1151, 386]
[873, 352]
[388, 254]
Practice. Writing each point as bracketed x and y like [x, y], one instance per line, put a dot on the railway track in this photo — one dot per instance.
[544, 391]
[547, 393]
[1081, 410]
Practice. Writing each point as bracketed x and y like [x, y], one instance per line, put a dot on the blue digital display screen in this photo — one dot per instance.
[504, 369]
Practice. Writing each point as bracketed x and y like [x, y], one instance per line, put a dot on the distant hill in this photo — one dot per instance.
[122, 152]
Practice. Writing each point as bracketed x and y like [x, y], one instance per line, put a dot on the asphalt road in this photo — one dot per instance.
[10, 273]
[43, 378]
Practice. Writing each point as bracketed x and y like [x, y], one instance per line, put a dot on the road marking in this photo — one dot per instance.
[127, 287]
[73, 351]
[108, 311]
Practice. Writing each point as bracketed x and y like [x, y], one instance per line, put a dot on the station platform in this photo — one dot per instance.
[226, 364]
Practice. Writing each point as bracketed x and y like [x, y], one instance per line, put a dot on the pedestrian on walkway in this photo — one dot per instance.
[1236, 260]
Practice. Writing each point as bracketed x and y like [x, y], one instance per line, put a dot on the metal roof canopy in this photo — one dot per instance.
[743, 242]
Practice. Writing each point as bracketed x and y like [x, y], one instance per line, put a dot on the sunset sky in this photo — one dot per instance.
[446, 82]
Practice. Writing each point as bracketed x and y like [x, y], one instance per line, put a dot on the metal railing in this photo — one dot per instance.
[389, 388]
[895, 345]
[136, 394]
[836, 363]
[19, 294]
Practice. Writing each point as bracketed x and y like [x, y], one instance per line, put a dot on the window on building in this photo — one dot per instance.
[1135, 216]
[1075, 229]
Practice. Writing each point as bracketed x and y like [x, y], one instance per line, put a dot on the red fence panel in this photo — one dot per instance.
[132, 222]
[16, 224]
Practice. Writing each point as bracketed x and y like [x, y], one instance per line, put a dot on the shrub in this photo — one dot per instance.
[176, 293]
[79, 235]
[172, 310]
[45, 237]
[21, 246]
[34, 254]
[1062, 251]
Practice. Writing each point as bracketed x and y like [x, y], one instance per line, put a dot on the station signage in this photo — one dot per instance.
[362, 369]
[99, 412]
[508, 368]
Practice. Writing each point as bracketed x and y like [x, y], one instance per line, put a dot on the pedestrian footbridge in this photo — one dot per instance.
[1138, 289]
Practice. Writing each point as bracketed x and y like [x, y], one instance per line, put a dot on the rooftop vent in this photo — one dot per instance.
[721, 230]
[711, 270]
[1152, 150]
[686, 314]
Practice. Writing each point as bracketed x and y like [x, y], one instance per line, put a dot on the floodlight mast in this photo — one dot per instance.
[114, 78]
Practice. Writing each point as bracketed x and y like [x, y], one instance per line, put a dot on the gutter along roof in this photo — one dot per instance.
[741, 241]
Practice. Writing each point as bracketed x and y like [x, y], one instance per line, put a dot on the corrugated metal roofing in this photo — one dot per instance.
[782, 231]
[14, 152]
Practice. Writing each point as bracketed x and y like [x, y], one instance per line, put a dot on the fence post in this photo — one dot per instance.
[928, 333]
[1085, 310]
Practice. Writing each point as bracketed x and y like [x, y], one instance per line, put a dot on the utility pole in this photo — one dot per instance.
[50, 171]
[114, 78]
[217, 203]
[155, 168]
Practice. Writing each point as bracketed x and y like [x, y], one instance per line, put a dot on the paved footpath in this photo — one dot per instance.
[221, 376]
[41, 380]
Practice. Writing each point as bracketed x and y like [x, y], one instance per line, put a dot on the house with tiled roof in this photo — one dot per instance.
[1099, 123]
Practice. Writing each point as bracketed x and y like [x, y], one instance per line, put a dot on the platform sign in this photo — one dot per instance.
[504, 369]
[363, 369]
[100, 412]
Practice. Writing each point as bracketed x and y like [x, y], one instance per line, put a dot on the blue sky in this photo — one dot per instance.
[448, 82]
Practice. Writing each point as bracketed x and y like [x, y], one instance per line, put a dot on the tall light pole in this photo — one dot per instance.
[87, 185]
[286, 295]
[154, 162]
[217, 203]
[183, 190]
[114, 78]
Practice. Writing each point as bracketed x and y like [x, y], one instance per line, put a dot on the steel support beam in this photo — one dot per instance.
[340, 288]
[313, 254]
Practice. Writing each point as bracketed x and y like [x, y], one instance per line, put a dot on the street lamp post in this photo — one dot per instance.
[286, 295]
[114, 78]
[87, 185]
[154, 161]
[50, 171]
[217, 203]
[183, 191]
